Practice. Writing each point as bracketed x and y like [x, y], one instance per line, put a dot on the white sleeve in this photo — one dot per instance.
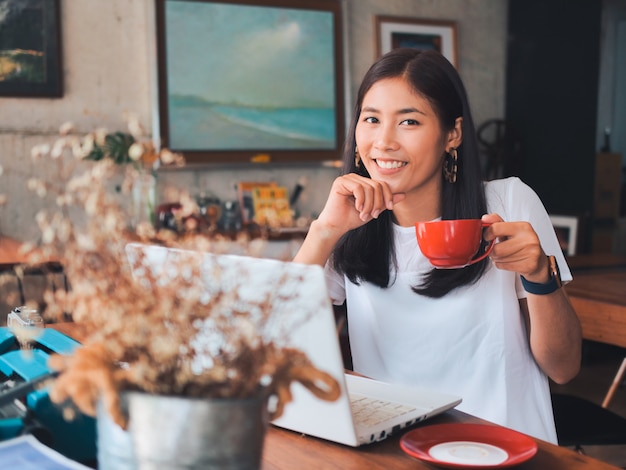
[335, 283]
[516, 201]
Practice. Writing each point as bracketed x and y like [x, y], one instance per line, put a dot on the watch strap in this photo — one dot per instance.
[538, 288]
[552, 285]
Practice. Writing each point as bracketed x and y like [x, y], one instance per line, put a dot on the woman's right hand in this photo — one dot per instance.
[355, 200]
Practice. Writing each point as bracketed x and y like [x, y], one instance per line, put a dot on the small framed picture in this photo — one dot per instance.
[30, 49]
[566, 229]
[393, 32]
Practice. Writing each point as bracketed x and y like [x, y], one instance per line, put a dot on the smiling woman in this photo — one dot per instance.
[237, 79]
[411, 156]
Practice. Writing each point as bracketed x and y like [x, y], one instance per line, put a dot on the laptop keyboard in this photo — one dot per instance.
[368, 411]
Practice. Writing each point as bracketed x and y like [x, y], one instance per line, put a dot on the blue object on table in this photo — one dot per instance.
[75, 439]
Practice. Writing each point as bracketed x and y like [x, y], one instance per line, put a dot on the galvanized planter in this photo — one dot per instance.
[168, 433]
[115, 447]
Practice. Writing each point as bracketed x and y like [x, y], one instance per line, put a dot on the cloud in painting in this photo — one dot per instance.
[250, 55]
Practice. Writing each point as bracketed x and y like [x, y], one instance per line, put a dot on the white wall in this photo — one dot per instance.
[107, 64]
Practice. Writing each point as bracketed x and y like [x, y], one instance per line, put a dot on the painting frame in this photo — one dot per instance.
[566, 229]
[394, 31]
[245, 17]
[32, 63]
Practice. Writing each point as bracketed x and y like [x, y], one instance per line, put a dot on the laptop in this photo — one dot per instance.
[367, 410]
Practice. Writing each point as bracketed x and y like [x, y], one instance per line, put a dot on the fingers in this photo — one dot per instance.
[491, 218]
[371, 197]
[490, 233]
[518, 247]
[519, 234]
[364, 197]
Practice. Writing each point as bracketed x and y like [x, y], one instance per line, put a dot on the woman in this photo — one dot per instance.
[476, 332]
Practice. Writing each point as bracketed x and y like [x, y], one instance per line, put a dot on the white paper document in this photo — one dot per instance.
[27, 453]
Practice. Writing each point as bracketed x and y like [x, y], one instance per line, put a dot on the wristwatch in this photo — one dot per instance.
[553, 284]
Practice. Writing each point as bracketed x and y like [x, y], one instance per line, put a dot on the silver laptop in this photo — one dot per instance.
[367, 410]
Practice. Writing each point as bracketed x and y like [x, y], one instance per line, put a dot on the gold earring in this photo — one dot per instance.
[450, 165]
[357, 158]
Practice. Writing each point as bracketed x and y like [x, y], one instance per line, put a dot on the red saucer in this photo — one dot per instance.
[468, 445]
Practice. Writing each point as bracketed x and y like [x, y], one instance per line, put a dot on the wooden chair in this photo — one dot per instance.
[581, 422]
[21, 283]
[597, 297]
[617, 381]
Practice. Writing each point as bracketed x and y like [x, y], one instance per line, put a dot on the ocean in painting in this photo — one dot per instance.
[198, 125]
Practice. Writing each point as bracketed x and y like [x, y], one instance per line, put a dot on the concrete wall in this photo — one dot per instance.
[108, 68]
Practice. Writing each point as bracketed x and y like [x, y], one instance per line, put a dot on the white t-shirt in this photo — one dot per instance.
[472, 342]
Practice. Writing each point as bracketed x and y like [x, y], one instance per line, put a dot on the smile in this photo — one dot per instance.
[390, 164]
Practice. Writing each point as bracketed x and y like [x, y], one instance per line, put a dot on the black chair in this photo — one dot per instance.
[581, 422]
[501, 147]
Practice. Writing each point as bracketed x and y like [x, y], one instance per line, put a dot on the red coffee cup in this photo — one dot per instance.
[452, 244]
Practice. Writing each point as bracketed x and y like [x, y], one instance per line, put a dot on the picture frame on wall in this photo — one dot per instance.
[393, 32]
[241, 81]
[30, 49]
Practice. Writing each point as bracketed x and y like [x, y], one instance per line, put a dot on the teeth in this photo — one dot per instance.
[390, 164]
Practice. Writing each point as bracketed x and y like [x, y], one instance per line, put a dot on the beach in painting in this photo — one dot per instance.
[198, 125]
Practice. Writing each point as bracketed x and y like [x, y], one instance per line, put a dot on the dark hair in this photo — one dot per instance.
[367, 253]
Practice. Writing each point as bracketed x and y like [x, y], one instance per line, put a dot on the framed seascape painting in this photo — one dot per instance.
[393, 32]
[30, 48]
[242, 81]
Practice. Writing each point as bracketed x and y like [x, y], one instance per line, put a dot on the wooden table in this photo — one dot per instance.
[596, 262]
[288, 450]
[599, 299]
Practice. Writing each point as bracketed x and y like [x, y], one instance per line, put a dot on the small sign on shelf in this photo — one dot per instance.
[264, 204]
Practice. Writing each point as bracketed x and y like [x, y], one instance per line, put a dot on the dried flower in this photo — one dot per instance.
[135, 151]
[39, 150]
[173, 335]
[66, 128]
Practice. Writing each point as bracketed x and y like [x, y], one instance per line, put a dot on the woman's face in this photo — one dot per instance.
[399, 138]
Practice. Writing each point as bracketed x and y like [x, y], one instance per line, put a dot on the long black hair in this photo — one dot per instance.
[367, 253]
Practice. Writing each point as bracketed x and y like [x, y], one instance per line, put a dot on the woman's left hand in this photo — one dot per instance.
[517, 248]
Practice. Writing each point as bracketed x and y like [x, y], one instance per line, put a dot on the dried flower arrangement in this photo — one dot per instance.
[143, 332]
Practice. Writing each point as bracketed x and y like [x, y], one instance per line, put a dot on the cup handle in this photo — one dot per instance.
[487, 251]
